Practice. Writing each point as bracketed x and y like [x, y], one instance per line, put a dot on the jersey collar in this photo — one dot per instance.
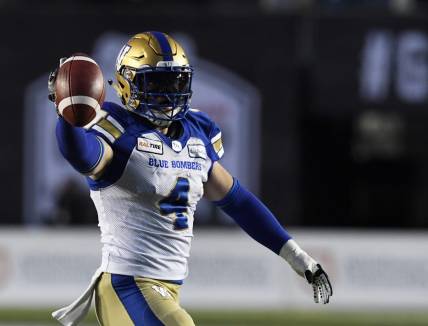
[178, 144]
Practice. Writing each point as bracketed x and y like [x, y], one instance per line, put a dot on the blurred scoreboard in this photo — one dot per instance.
[364, 126]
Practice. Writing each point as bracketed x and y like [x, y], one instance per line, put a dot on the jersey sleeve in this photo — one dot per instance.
[90, 149]
[216, 145]
[82, 150]
[210, 131]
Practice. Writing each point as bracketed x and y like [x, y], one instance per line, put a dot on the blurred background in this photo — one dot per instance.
[324, 111]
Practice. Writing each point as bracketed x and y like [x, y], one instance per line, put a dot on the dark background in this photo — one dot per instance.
[330, 157]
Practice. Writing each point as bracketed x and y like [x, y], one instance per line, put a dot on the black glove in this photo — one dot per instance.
[320, 284]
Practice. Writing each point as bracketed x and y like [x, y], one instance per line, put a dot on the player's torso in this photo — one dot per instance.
[146, 201]
[164, 182]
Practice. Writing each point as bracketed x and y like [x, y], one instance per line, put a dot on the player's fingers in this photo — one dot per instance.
[327, 280]
[329, 289]
[324, 279]
[321, 287]
[326, 295]
[314, 289]
[322, 292]
[317, 294]
[326, 288]
[320, 274]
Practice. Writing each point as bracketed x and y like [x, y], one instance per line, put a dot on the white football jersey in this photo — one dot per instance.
[147, 196]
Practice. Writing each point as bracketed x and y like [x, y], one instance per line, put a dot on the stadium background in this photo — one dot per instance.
[343, 90]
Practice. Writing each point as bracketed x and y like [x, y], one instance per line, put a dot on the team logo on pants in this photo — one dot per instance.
[162, 291]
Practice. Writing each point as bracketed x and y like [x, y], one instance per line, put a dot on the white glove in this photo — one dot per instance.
[307, 267]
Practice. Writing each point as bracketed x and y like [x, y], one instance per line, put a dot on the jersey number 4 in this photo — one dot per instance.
[177, 203]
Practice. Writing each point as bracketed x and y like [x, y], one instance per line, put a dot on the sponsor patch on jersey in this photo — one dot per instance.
[149, 145]
[197, 151]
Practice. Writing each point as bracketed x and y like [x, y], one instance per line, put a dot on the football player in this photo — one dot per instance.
[148, 163]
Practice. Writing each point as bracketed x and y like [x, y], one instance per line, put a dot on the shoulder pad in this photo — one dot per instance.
[203, 124]
[201, 120]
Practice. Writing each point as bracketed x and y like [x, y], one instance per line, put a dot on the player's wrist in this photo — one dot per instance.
[297, 258]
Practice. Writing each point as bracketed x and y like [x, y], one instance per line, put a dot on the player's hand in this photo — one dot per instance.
[320, 284]
[51, 81]
[307, 267]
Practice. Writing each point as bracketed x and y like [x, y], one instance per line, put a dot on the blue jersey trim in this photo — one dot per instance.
[177, 282]
[164, 44]
[133, 300]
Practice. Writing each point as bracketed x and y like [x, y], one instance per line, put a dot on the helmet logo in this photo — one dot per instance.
[125, 49]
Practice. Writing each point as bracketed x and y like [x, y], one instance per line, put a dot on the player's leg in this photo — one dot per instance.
[108, 307]
[119, 301]
[163, 299]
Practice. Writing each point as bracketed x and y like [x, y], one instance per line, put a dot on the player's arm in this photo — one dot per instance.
[256, 219]
[86, 152]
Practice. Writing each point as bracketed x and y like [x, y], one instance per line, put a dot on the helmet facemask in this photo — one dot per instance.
[160, 94]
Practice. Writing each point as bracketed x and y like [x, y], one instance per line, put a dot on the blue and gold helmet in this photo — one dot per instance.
[153, 77]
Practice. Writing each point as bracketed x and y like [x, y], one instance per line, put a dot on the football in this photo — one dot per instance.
[79, 89]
